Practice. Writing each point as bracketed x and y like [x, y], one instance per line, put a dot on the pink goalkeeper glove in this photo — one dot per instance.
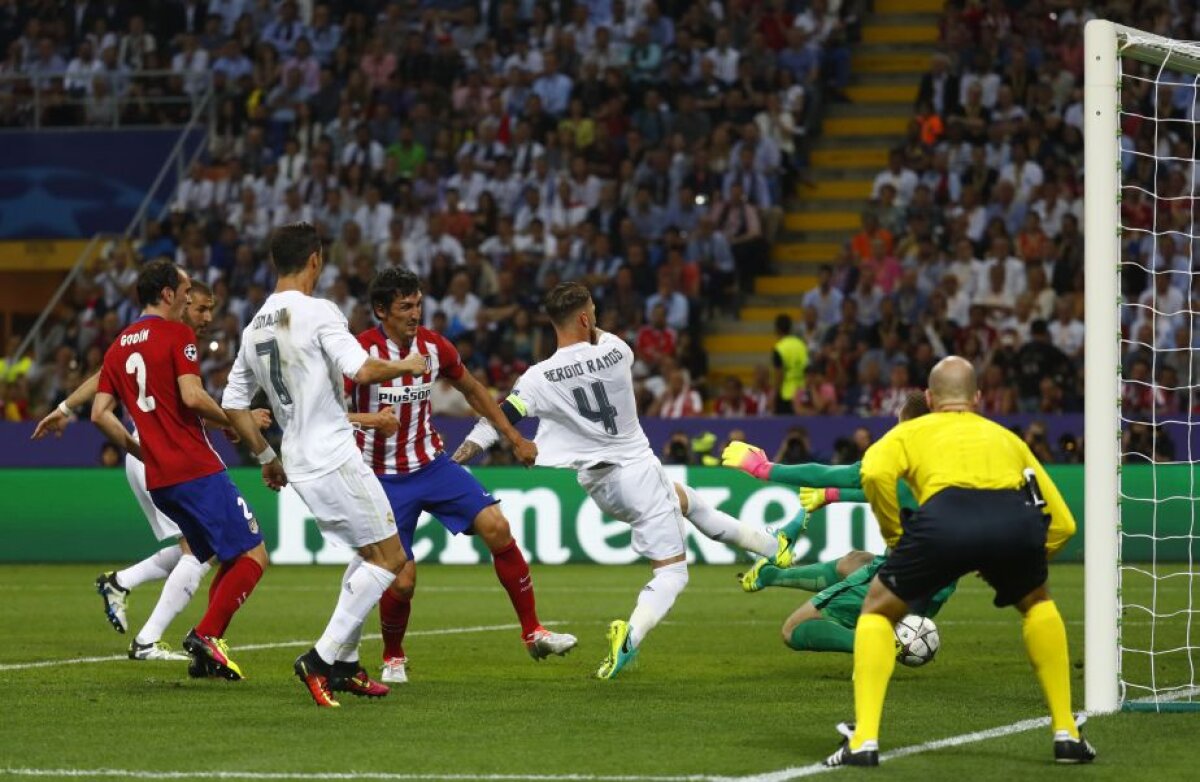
[748, 459]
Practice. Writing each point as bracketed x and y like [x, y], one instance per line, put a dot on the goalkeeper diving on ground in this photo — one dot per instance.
[826, 622]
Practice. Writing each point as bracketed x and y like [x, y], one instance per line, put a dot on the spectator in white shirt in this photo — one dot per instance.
[192, 63]
[271, 186]
[438, 242]
[724, 57]
[374, 216]
[194, 194]
[364, 150]
[958, 303]
[293, 210]
[1024, 173]
[468, 182]
[461, 307]
[1163, 305]
[251, 220]
[1067, 331]
[82, 70]
[903, 179]
[825, 299]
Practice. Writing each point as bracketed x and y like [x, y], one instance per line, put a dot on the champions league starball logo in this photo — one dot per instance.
[189, 352]
[57, 202]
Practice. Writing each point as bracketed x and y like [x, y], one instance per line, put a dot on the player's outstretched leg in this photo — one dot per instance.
[115, 599]
[114, 588]
[809, 630]
[722, 527]
[654, 602]
[512, 571]
[786, 539]
[183, 582]
[232, 585]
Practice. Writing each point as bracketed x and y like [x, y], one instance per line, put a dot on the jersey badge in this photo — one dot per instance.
[189, 352]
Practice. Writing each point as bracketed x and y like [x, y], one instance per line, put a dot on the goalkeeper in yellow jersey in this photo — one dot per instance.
[825, 623]
[986, 505]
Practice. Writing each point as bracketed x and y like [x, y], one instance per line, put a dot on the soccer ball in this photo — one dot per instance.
[917, 640]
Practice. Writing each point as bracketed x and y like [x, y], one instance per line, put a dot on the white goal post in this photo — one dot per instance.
[1165, 669]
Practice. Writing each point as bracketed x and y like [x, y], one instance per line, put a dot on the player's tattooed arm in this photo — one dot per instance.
[466, 452]
[500, 416]
[56, 420]
[106, 421]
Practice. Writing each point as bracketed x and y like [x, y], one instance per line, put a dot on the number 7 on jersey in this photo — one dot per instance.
[270, 349]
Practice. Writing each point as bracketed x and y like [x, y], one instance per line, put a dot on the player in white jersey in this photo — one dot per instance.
[175, 563]
[298, 349]
[583, 396]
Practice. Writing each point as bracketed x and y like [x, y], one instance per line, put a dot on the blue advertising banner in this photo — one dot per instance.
[72, 184]
[80, 445]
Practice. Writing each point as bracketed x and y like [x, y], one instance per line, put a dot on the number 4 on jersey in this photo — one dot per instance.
[604, 413]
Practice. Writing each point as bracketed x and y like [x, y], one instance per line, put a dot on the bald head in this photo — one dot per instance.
[952, 385]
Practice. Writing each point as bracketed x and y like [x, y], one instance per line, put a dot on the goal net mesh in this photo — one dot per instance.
[1159, 370]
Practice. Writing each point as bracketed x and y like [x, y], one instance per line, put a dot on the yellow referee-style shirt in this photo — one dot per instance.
[964, 450]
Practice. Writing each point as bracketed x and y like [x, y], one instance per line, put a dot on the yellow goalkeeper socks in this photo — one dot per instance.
[874, 661]
[1046, 642]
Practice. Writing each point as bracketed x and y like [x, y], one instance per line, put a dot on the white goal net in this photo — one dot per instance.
[1141, 115]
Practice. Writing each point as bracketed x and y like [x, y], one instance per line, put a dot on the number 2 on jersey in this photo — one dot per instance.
[604, 413]
[270, 349]
[136, 365]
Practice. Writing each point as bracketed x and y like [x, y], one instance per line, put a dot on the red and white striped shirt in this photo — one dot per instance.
[416, 444]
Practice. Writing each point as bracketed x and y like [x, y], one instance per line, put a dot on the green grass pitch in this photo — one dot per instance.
[714, 693]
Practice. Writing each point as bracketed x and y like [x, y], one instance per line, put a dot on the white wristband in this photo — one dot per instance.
[267, 456]
[66, 411]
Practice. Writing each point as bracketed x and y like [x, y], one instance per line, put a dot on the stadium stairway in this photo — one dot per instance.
[898, 39]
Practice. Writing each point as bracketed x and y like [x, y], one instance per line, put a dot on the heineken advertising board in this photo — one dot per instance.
[89, 515]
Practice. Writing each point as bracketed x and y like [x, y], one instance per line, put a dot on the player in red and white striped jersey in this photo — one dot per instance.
[399, 443]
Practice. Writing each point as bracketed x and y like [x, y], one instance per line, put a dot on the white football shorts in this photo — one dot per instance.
[349, 504]
[641, 495]
[162, 527]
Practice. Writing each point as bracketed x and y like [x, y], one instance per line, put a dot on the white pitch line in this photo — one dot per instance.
[256, 647]
[344, 775]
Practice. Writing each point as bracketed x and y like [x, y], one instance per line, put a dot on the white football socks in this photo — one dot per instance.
[349, 651]
[183, 582]
[155, 567]
[359, 594]
[720, 526]
[656, 599]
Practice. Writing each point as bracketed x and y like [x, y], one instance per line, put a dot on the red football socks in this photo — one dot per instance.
[513, 572]
[233, 584]
[393, 623]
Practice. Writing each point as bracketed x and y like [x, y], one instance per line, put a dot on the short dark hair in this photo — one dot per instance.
[153, 277]
[291, 247]
[783, 323]
[201, 287]
[390, 284]
[915, 406]
[567, 299]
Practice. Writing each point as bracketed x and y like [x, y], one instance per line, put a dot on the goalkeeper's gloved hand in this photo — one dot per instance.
[747, 458]
[812, 500]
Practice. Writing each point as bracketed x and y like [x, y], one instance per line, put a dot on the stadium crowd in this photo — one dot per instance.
[644, 147]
